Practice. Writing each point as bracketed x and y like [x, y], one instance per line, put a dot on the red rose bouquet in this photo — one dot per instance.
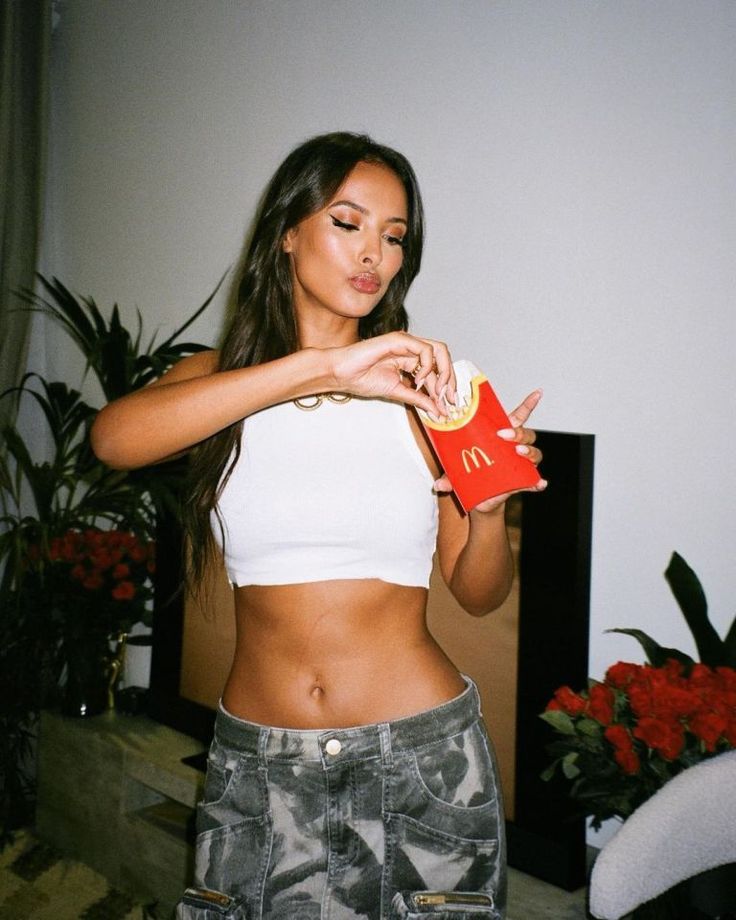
[623, 738]
[620, 740]
[98, 581]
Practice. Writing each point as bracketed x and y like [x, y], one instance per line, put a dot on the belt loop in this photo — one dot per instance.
[475, 694]
[476, 697]
[262, 746]
[384, 736]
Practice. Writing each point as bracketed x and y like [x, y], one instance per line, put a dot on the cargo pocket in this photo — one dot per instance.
[204, 904]
[443, 905]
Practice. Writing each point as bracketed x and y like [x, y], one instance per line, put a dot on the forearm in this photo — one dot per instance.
[159, 421]
[482, 575]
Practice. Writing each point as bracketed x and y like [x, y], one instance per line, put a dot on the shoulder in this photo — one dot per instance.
[201, 364]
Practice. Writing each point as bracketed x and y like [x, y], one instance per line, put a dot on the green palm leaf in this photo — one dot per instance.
[690, 597]
[656, 654]
[110, 352]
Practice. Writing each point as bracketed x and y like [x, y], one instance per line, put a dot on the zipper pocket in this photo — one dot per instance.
[205, 898]
[450, 898]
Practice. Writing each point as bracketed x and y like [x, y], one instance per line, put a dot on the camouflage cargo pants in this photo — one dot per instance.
[396, 820]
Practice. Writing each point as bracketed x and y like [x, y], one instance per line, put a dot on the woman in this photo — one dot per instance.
[350, 773]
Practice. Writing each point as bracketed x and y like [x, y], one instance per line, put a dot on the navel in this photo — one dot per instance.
[317, 691]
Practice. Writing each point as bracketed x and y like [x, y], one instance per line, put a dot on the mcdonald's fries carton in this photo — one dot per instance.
[477, 462]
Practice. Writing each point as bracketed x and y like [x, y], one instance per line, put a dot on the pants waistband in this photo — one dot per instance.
[333, 746]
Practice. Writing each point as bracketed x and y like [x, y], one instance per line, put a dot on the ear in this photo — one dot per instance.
[287, 243]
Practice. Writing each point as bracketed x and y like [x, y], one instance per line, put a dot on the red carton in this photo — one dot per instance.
[477, 462]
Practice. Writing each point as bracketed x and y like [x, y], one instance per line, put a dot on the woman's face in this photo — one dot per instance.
[344, 256]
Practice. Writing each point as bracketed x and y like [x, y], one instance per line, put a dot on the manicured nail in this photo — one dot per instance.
[542, 485]
[522, 449]
[508, 434]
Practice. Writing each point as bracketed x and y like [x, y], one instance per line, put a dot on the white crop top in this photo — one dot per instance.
[342, 491]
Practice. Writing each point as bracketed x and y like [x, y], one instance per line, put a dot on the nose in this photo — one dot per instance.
[371, 252]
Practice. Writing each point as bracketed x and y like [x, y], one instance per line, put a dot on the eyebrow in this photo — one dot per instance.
[358, 207]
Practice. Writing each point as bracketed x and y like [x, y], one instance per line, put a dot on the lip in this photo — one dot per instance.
[366, 282]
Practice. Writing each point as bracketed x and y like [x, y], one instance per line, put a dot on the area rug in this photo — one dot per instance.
[37, 883]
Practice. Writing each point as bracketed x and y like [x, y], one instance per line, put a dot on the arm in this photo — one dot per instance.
[195, 400]
[473, 550]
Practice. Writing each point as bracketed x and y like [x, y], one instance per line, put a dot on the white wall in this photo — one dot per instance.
[577, 161]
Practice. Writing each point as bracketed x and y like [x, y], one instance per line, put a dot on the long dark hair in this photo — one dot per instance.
[263, 326]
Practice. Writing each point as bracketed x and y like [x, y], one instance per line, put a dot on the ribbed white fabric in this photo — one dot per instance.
[339, 492]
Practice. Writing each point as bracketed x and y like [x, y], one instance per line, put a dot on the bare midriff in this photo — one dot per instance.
[334, 654]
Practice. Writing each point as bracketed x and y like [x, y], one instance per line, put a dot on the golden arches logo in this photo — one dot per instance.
[474, 454]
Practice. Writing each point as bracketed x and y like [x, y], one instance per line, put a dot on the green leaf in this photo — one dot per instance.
[177, 332]
[690, 597]
[569, 766]
[589, 727]
[559, 720]
[656, 654]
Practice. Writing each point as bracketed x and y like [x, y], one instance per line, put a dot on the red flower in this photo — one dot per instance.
[121, 570]
[708, 726]
[668, 739]
[115, 539]
[640, 697]
[137, 553]
[624, 753]
[93, 581]
[600, 703]
[568, 701]
[102, 559]
[727, 678]
[620, 674]
[124, 591]
[79, 572]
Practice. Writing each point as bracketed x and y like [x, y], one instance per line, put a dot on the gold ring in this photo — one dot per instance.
[417, 368]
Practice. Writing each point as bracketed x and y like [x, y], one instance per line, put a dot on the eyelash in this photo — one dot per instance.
[392, 240]
[342, 225]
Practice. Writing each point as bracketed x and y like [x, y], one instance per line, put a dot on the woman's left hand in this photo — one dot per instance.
[524, 439]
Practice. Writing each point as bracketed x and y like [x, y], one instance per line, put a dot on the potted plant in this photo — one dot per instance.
[77, 539]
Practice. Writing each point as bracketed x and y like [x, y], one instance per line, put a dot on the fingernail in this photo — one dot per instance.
[522, 449]
[542, 485]
[508, 434]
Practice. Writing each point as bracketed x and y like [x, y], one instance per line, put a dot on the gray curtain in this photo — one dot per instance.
[25, 38]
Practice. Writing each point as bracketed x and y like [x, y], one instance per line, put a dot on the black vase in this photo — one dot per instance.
[90, 670]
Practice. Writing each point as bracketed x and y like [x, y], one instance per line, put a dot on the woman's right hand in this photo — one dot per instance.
[397, 366]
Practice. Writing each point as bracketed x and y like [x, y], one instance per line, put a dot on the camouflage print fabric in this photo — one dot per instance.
[396, 820]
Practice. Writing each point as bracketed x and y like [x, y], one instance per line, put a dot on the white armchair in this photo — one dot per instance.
[687, 827]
